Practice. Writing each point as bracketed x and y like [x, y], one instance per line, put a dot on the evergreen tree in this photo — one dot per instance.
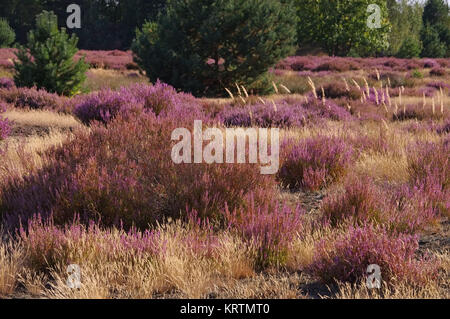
[406, 19]
[7, 34]
[47, 59]
[432, 45]
[204, 46]
[340, 26]
[411, 48]
[436, 33]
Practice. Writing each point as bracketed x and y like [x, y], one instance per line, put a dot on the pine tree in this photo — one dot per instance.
[436, 32]
[204, 46]
[47, 59]
[7, 34]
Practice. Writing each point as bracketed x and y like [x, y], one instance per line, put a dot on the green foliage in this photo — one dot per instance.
[406, 20]
[435, 12]
[411, 48]
[432, 45]
[7, 34]
[47, 59]
[417, 74]
[436, 33]
[106, 24]
[203, 46]
[340, 26]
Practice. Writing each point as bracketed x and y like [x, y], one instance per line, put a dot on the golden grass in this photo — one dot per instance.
[98, 79]
[10, 265]
[41, 118]
[388, 167]
[24, 155]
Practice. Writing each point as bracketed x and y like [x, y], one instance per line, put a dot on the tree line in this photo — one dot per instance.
[408, 28]
[205, 46]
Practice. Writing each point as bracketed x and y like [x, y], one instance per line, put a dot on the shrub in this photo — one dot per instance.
[105, 105]
[335, 65]
[265, 115]
[432, 45]
[328, 110]
[7, 34]
[6, 83]
[124, 174]
[359, 202]
[346, 257]
[159, 99]
[338, 90]
[4, 123]
[315, 162]
[417, 74]
[47, 60]
[270, 231]
[429, 174]
[410, 48]
[196, 60]
[36, 99]
[438, 72]
[407, 114]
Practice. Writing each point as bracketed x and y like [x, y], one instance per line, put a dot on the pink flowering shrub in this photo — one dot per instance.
[105, 105]
[438, 72]
[48, 245]
[347, 256]
[429, 174]
[4, 123]
[342, 64]
[314, 163]
[114, 59]
[338, 90]
[158, 99]
[36, 99]
[6, 83]
[290, 112]
[398, 209]
[360, 201]
[124, 173]
[7, 55]
[269, 230]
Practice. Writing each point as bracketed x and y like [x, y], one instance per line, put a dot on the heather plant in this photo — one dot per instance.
[336, 65]
[347, 256]
[6, 83]
[438, 72]
[271, 114]
[326, 109]
[199, 59]
[315, 162]
[124, 174]
[269, 230]
[115, 59]
[105, 105]
[359, 202]
[47, 60]
[32, 98]
[429, 174]
[159, 99]
[339, 90]
[4, 123]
